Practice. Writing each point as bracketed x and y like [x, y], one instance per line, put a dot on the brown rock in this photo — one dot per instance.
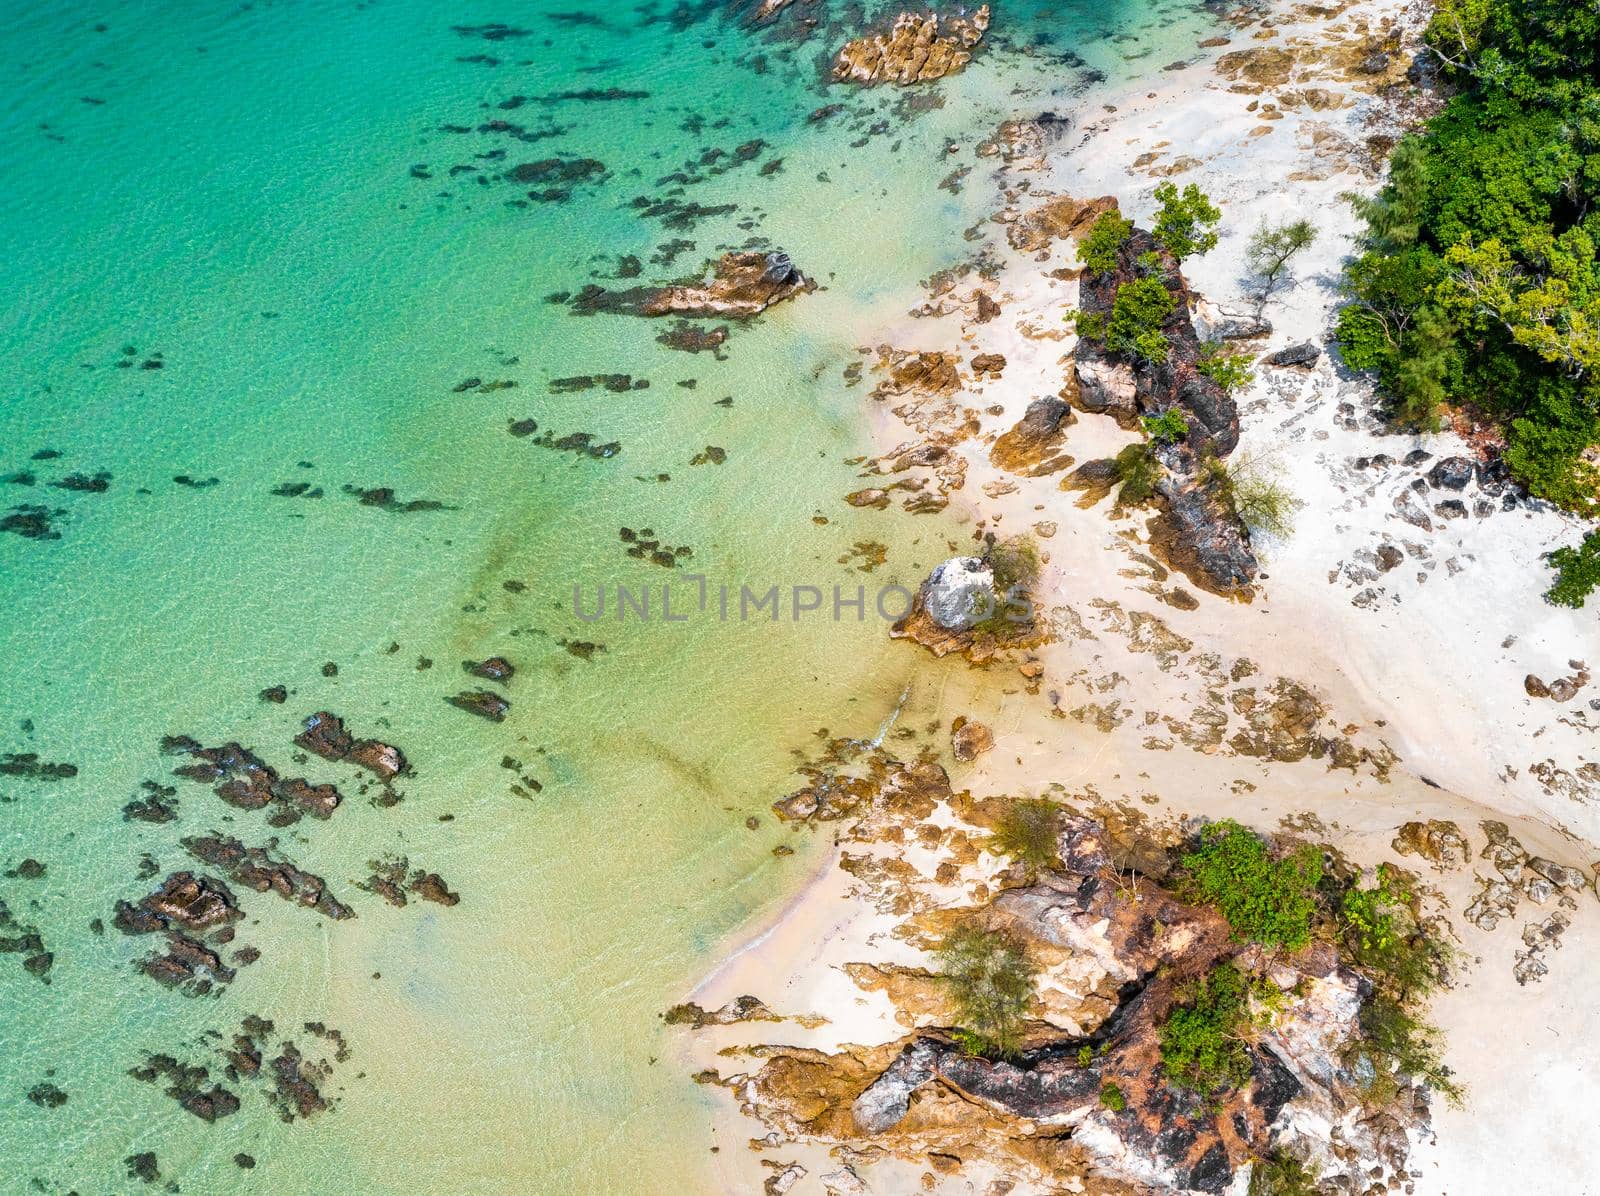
[969, 740]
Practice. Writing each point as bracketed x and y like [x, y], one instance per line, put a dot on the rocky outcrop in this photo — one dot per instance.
[741, 285]
[1087, 1100]
[959, 593]
[1029, 447]
[1200, 532]
[913, 51]
[195, 913]
[258, 869]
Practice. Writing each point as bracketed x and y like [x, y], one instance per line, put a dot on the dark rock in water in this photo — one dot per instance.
[29, 767]
[244, 1162]
[1305, 353]
[296, 490]
[256, 868]
[325, 736]
[156, 806]
[383, 759]
[294, 1088]
[741, 285]
[496, 668]
[31, 522]
[29, 869]
[482, 703]
[1452, 473]
[185, 902]
[47, 1096]
[186, 1085]
[319, 801]
[430, 886]
[383, 497]
[241, 777]
[274, 693]
[143, 1167]
[556, 170]
[84, 483]
[691, 338]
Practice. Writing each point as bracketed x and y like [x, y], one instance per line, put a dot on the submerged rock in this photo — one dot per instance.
[482, 703]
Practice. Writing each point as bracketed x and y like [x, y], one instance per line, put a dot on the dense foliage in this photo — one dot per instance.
[1227, 369]
[1138, 471]
[1478, 281]
[1186, 223]
[990, 981]
[1577, 572]
[1266, 900]
[1099, 249]
[1140, 309]
[1204, 1041]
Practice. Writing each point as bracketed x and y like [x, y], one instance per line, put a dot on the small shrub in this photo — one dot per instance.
[1260, 500]
[1578, 572]
[1384, 939]
[1281, 1174]
[1186, 223]
[1085, 1056]
[1027, 832]
[1111, 1097]
[990, 980]
[1098, 250]
[1015, 564]
[1167, 428]
[1265, 900]
[1137, 471]
[1396, 1041]
[1203, 1041]
[1231, 371]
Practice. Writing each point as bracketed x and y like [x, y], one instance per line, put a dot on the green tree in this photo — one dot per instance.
[990, 980]
[1027, 832]
[1167, 428]
[1578, 572]
[1204, 1041]
[1186, 221]
[1272, 247]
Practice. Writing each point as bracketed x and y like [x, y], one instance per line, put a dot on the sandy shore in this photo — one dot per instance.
[1417, 667]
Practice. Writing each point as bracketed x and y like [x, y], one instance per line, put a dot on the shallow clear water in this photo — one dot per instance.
[262, 195]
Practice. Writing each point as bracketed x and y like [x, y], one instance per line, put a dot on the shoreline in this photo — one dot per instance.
[1417, 757]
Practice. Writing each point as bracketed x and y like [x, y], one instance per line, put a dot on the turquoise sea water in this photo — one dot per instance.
[268, 199]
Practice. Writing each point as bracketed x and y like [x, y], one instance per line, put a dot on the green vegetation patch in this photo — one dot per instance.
[1204, 1041]
[1167, 428]
[1577, 572]
[1266, 900]
[1140, 309]
[1027, 832]
[1186, 223]
[1478, 282]
[1107, 235]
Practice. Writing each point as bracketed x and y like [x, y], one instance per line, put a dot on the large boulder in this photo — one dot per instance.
[959, 593]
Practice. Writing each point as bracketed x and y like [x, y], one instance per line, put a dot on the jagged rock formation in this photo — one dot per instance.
[1201, 534]
[912, 51]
